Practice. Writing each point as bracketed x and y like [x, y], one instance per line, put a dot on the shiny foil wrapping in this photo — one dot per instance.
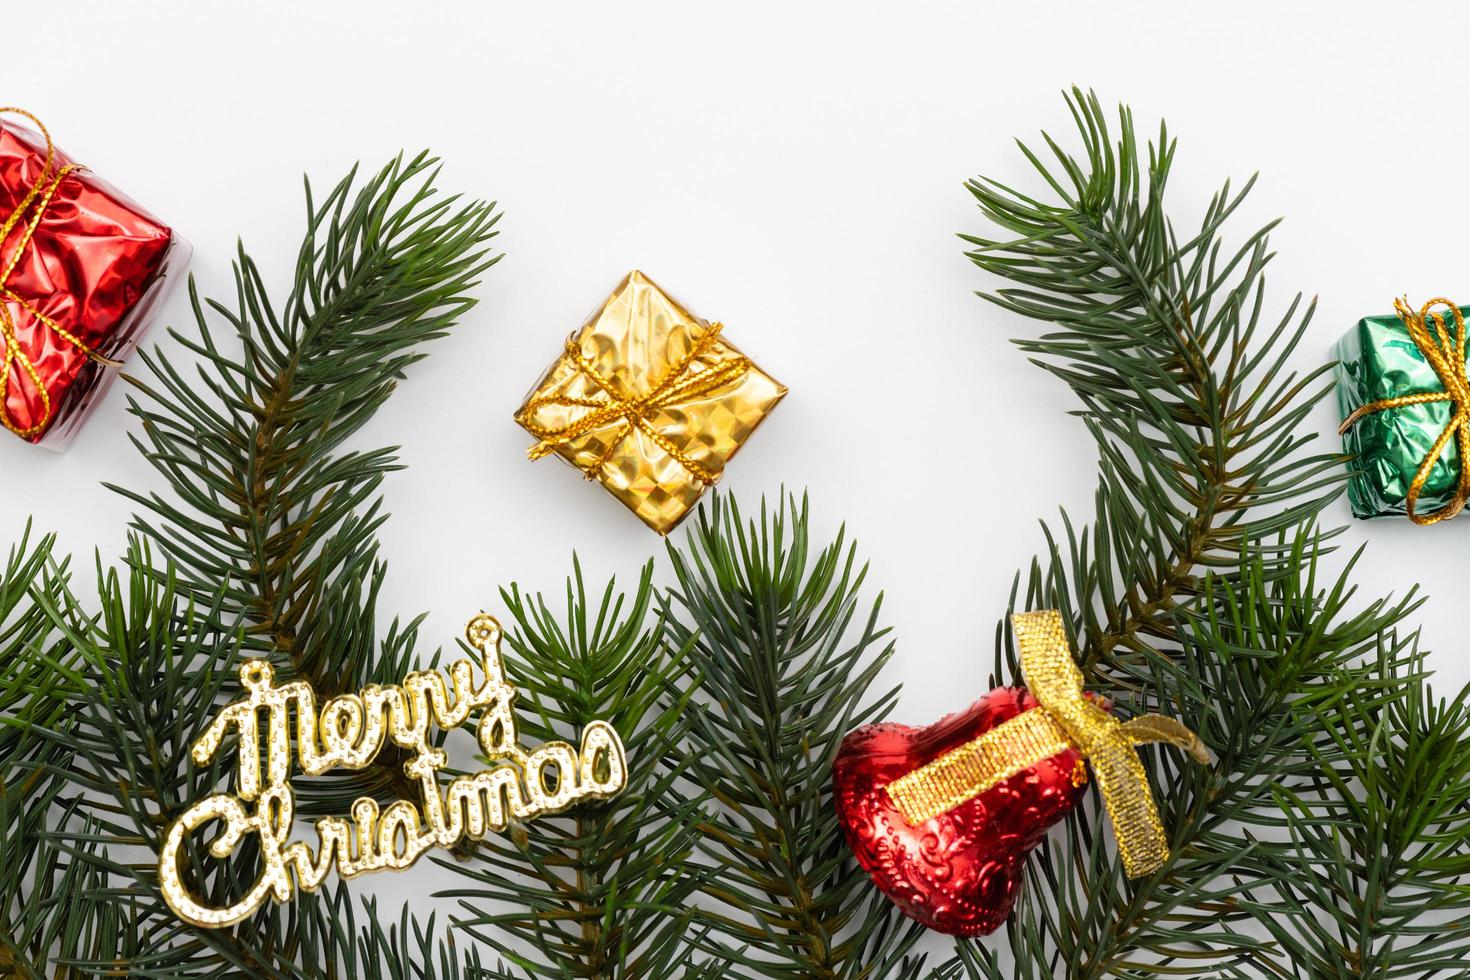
[637, 342]
[959, 872]
[1378, 360]
[97, 266]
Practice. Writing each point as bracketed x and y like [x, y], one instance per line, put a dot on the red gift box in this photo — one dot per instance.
[82, 267]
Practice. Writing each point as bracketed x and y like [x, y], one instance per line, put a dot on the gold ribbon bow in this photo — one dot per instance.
[1446, 355]
[671, 390]
[1065, 719]
[27, 216]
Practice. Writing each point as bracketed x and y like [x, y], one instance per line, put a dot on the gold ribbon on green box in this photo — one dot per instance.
[1404, 396]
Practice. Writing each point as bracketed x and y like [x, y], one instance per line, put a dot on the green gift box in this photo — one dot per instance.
[1380, 360]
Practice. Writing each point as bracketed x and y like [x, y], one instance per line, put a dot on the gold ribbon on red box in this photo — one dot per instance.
[77, 257]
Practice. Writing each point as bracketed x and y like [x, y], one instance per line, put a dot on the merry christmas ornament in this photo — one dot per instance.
[348, 732]
[942, 817]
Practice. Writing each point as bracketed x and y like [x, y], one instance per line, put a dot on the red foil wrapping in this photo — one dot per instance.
[959, 872]
[86, 267]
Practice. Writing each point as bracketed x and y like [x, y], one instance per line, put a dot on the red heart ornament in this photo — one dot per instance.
[959, 872]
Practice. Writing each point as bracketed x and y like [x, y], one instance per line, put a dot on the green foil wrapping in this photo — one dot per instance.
[1377, 360]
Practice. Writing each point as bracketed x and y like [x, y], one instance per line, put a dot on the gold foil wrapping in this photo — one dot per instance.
[649, 400]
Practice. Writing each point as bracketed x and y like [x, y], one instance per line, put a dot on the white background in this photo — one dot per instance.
[794, 171]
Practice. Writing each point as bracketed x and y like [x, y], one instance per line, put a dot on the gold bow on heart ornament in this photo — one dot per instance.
[1065, 719]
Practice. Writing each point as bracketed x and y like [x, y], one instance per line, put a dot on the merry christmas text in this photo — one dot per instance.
[348, 732]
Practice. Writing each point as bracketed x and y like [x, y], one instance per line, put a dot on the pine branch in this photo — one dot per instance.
[598, 893]
[267, 532]
[785, 662]
[265, 509]
[1184, 387]
[1194, 592]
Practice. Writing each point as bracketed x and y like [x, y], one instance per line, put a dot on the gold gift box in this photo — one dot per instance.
[650, 400]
